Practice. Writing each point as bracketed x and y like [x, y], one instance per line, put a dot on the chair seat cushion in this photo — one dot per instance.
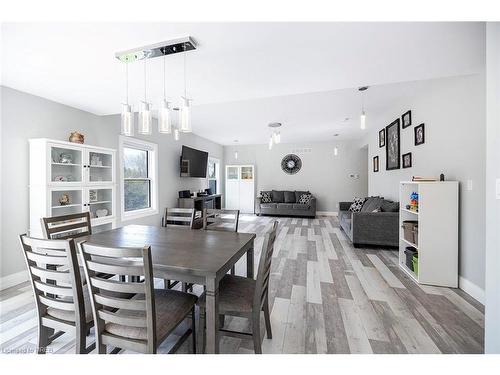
[171, 306]
[235, 294]
[69, 316]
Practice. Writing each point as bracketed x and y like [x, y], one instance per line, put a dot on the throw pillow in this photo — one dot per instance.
[390, 206]
[266, 196]
[305, 199]
[299, 193]
[357, 204]
[278, 196]
[290, 197]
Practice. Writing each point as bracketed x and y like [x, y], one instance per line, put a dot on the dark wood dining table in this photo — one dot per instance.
[194, 256]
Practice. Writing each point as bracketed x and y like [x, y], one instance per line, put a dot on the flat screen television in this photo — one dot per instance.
[193, 162]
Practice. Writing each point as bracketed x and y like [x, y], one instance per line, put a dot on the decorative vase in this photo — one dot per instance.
[76, 137]
[64, 200]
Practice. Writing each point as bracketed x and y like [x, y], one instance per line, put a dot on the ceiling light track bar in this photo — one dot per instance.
[168, 47]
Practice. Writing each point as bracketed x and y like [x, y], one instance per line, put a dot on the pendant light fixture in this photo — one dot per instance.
[271, 143]
[145, 118]
[362, 117]
[275, 135]
[127, 116]
[185, 110]
[335, 151]
[236, 151]
[164, 118]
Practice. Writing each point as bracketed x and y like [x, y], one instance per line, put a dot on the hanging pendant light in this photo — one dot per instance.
[176, 134]
[185, 110]
[271, 143]
[335, 151]
[236, 152]
[145, 118]
[277, 138]
[164, 117]
[362, 118]
[127, 116]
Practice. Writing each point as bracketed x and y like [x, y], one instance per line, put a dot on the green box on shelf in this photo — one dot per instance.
[415, 265]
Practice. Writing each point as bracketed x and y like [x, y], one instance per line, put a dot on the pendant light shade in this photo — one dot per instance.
[185, 116]
[164, 118]
[335, 151]
[236, 154]
[362, 120]
[127, 121]
[271, 143]
[277, 138]
[145, 119]
[176, 134]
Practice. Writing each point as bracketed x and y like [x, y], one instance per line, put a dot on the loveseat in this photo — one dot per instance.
[376, 224]
[285, 203]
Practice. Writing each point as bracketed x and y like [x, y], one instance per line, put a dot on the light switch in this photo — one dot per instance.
[469, 185]
[498, 188]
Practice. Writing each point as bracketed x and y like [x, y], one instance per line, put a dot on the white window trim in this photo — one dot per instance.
[217, 174]
[152, 149]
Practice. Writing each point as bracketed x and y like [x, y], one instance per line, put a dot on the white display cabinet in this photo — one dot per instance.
[68, 178]
[437, 238]
[240, 188]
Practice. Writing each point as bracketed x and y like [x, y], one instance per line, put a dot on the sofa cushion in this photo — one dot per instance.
[372, 203]
[298, 193]
[388, 206]
[285, 206]
[290, 197]
[268, 206]
[357, 205]
[298, 206]
[266, 196]
[278, 196]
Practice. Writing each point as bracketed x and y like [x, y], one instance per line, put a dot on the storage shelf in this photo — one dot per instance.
[410, 211]
[99, 202]
[67, 205]
[409, 243]
[99, 166]
[68, 164]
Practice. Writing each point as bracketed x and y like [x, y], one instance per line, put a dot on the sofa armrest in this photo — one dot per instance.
[344, 206]
[378, 228]
[312, 204]
[258, 201]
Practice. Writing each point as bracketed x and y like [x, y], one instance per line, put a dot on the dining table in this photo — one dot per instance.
[200, 257]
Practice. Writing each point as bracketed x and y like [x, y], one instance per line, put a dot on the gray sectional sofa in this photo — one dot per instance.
[285, 203]
[376, 224]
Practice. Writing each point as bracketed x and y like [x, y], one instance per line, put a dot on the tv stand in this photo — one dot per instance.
[199, 203]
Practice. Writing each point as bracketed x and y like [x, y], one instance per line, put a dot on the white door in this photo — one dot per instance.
[247, 192]
[232, 187]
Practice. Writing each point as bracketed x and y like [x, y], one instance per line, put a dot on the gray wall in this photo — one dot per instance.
[453, 111]
[492, 324]
[26, 116]
[322, 173]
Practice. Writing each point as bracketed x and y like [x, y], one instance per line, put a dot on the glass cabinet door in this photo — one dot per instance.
[66, 164]
[232, 173]
[100, 166]
[65, 201]
[246, 173]
[100, 202]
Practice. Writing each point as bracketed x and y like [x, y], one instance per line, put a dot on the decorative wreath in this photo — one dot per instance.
[291, 164]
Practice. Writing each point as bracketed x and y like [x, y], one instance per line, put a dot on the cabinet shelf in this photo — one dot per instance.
[99, 166]
[409, 211]
[99, 202]
[409, 243]
[67, 164]
[67, 205]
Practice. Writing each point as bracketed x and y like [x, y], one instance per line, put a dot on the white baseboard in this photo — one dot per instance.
[14, 279]
[327, 213]
[471, 289]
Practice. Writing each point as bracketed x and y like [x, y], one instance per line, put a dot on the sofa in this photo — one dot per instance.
[376, 224]
[285, 203]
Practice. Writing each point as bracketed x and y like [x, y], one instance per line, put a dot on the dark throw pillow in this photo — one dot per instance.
[305, 199]
[290, 197]
[357, 204]
[266, 197]
[390, 206]
[278, 196]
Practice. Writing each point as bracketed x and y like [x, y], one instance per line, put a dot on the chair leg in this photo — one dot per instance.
[257, 342]
[222, 318]
[233, 270]
[81, 341]
[44, 334]
[166, 284]
[267, 320]
[193, 328]
[202, 328]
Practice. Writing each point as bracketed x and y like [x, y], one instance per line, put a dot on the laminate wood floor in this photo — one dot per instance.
[325, 295]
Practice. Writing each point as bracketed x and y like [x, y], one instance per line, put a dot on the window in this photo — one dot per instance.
[139, 178]
[213, 175]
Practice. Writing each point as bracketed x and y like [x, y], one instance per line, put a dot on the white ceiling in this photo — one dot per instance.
[243, 75]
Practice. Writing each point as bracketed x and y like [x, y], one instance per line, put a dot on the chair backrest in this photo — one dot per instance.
[55, 278]
[225, 220]
[178, 217]
[264, 271]
[129, 314]
[67, 226]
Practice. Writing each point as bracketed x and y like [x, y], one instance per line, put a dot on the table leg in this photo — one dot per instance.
[250, 262]
[212, 316]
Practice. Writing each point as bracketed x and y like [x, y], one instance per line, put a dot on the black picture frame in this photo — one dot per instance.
[419, 134]
[393, 146]
[406, 119]
[407, 160]
[375, 164]
[381, 138]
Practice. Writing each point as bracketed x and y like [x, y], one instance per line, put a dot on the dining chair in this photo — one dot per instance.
[61, 301]
[242, 296]
[223, 220]
[143, 322]
[67, 226]
[179, 218]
